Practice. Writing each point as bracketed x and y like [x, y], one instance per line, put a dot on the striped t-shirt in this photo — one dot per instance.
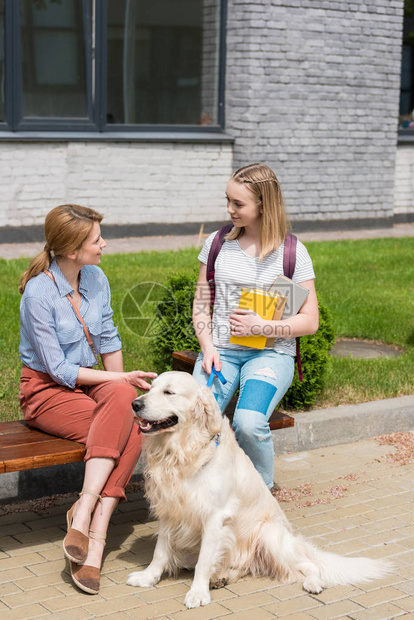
[234, 270]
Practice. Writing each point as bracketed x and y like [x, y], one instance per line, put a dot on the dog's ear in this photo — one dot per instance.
[207, 410]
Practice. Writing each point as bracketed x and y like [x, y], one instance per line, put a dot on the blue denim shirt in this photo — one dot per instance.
[52, 339]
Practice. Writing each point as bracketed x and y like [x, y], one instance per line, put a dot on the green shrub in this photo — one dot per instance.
[314, 355]
[175, 333]
[174, 329]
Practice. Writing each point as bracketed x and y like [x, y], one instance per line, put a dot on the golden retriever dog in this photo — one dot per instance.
[215, 513]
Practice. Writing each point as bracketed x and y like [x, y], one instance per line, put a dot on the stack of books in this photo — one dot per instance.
[282, 300]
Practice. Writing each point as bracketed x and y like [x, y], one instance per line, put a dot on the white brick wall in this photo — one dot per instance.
[130, 183]
[404, 181]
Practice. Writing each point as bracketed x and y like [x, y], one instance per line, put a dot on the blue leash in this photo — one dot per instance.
[215, 373]
[219, 375]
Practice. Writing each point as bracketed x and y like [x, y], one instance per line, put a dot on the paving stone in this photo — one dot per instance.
[15, 574]
[259, 614]
[346, 547]
[389, 580]
[48, 567]
[220, 595]
[178, 590]
[18, 517]
[27, 559]
[383, 551]
[75, 614]
[73, 600]
[99, 607]
[52, 554]
[39, 595]
[215, 611]
[32, 562]
[297, 604]
[247, 586]
[384, 525]
[25, 613]
[249, 601]
[344, 535]
[380, 595]
[53, 534]
[299, 616]
[110, 590]
[49, 579]
[407, 586]
[338, 593]
[407, 603]
[284, 592]
[334, 610]
[379, 612]
[145, 612]
[3, 607]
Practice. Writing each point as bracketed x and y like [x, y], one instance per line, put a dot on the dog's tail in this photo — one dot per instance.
[289, 558]
[323, 569]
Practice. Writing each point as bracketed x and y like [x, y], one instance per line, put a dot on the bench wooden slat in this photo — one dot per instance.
[15, 426]
[23, 447]
[27, 448]
[11, 440]
[184, 361]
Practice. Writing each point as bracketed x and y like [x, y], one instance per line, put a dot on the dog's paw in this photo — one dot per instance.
[142, 579]
[195, 598]
[313, 586]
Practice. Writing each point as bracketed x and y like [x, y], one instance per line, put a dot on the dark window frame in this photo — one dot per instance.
[96, 125]
[407, 135]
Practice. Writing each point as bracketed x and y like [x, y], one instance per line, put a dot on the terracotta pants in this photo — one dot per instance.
[99, 416]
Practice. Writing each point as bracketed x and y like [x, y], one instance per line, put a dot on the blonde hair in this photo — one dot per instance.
[263, 184]
[66, 228]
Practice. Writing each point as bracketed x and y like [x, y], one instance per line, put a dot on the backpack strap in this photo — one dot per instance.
[289, 255]
[289, 262]
[212, 255]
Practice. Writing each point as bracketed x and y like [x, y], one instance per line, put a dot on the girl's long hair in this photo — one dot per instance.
[66, 228]
[263, 184]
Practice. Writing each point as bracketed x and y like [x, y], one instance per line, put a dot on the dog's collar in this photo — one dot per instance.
[217, 439]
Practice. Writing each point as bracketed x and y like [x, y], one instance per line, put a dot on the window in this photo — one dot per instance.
[2, 110]
[406, 119]
[105, 65]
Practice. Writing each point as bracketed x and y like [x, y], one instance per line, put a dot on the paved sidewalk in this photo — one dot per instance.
[139, 244]
[350, 499]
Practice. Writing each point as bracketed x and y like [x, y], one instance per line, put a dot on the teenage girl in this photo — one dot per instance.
[62, 393]
[251, 257]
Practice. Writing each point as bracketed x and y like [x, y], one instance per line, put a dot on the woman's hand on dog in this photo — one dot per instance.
[137, 379]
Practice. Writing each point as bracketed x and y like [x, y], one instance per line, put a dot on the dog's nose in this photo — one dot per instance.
[137, 405]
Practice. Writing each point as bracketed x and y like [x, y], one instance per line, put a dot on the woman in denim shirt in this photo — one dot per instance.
[62, 393]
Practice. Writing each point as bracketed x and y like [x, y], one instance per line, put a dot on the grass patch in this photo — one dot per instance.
[368, 285]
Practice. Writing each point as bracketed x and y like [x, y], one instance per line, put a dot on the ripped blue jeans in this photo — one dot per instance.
[263, 377]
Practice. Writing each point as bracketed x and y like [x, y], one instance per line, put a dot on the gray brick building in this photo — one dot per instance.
[313, 90]
[310, 87]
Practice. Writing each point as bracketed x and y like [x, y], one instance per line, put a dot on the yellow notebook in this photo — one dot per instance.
[262, 303]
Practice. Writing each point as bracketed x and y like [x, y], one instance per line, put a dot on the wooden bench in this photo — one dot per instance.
[185, 360]
[23, 447]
